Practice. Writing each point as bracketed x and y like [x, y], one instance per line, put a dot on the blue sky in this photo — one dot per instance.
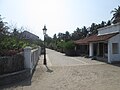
[58, 15]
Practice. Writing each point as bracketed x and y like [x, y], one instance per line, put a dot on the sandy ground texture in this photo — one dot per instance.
[80, 77]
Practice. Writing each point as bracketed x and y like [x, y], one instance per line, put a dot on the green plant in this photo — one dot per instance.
[10, 45]
[69, 45]
[61, 44]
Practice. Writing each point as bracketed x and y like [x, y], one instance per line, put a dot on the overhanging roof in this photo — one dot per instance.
[95, 38]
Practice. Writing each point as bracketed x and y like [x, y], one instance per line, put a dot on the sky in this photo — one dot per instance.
[57, 15]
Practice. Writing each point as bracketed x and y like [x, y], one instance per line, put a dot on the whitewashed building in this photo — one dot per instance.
[105, 45]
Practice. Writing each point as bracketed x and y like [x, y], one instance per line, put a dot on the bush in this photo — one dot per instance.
[69, 45]
[10, 45]
[70, 48]
[61, 44]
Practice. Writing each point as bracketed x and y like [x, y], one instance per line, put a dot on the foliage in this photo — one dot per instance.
[52, 46]
[54, 37]
[61, 44]
[77, 34]
[116, 15]
[108, 23]
[69, 45]
[67, 36]
[10, 45]
[48, 40]
[11, 42]
[93, 28]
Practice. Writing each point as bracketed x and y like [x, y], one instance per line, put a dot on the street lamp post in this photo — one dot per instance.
[44, 33]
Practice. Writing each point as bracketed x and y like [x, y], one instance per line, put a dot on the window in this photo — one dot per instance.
[115, 48]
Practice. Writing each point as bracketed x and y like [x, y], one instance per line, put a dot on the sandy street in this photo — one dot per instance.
[71, 74]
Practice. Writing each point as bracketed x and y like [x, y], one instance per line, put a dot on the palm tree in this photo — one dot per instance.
[67, 36]
[84, 31]
[108, 23]
[116, 15]
[93, 28]
[103, 24]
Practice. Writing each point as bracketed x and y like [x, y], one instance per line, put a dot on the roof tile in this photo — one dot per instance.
[95, 38]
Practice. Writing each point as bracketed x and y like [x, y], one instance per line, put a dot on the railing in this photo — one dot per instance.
[31, 57]
[34, 57]
[19, 67]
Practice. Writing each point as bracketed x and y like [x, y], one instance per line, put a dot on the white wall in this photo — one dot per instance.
[31, 57]
[90, 49]
[113, 57]
[109, 29]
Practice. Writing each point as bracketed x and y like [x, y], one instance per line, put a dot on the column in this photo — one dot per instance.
[98, 49]
[91, 49]
[109, 52]
[27, 58]
[39, 50]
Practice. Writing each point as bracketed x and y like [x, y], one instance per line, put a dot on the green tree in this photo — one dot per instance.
[61, 36]
[54, 37]
[116, 15]
[84, 32]
[69, 45]
[16, 33]
[48, 40]
[77, 34]
[67, 36]
[93, 28]
[102, 24]
[108, 23]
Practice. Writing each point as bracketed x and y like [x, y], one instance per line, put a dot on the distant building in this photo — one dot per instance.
[29, 36]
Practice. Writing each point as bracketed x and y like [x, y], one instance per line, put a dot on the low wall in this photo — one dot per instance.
[19, 67]
[9, 64]
[34, 57]
[31, 57]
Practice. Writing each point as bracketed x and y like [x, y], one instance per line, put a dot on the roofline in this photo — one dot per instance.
[30, 33]
[108, 26]
[87, 42]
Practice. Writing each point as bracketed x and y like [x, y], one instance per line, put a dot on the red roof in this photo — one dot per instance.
[95, 38]
[82, 41]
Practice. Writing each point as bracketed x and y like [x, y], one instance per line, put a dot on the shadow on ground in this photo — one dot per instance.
[28, 81]
[48, 69]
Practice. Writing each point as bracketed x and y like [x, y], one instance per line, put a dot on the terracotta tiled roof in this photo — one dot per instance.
[95, 38]
[82, 41]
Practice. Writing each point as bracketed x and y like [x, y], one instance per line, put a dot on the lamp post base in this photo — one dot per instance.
[44, 62]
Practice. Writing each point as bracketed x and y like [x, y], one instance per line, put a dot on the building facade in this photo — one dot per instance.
[104, 45]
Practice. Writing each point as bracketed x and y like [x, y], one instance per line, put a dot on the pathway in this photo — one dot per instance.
[71, 73]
